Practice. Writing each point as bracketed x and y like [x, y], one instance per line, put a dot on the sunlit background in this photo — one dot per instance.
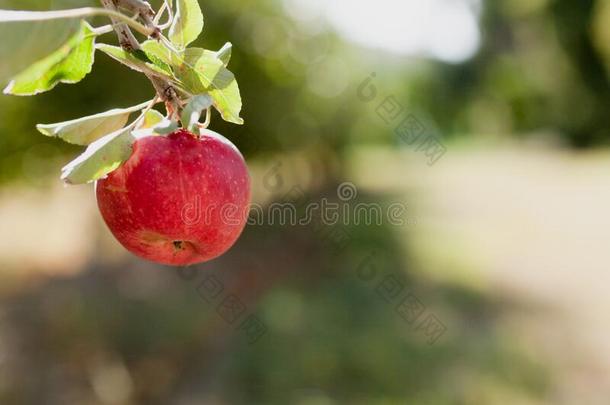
[503, 244]
[441, 29]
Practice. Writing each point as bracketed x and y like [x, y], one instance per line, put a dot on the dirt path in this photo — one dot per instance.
[529, 224]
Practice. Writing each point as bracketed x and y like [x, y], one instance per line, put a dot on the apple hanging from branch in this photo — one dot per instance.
[170, 190]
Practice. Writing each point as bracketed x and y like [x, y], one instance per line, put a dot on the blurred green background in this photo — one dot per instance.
[504, 241]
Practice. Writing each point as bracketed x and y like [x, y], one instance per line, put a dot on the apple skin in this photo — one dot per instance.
[178, 200]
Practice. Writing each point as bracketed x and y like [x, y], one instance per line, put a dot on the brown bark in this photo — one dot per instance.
[128, 42]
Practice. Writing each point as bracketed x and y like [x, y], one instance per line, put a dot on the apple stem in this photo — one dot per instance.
[208, 118]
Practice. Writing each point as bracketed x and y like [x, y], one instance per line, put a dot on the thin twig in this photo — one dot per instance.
[104, 29]
[160, 12]
[17, 16]
[142, 10]
[170, 16]
[126, 38]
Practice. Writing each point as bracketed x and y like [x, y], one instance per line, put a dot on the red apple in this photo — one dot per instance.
[179, 199]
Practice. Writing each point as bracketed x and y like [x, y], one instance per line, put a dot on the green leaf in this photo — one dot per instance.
[202, 72]
[151, 119]
[69, 64]
[86, 130]
[154, 124]
[192, 112]
[188, 23]
[156, 61]
[101, 157]
[136, 60]
[24, 43]
[157, 51]
[224, 54]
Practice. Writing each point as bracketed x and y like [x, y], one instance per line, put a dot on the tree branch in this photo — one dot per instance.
[165, 90]
[145, 13]
[126, 38]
